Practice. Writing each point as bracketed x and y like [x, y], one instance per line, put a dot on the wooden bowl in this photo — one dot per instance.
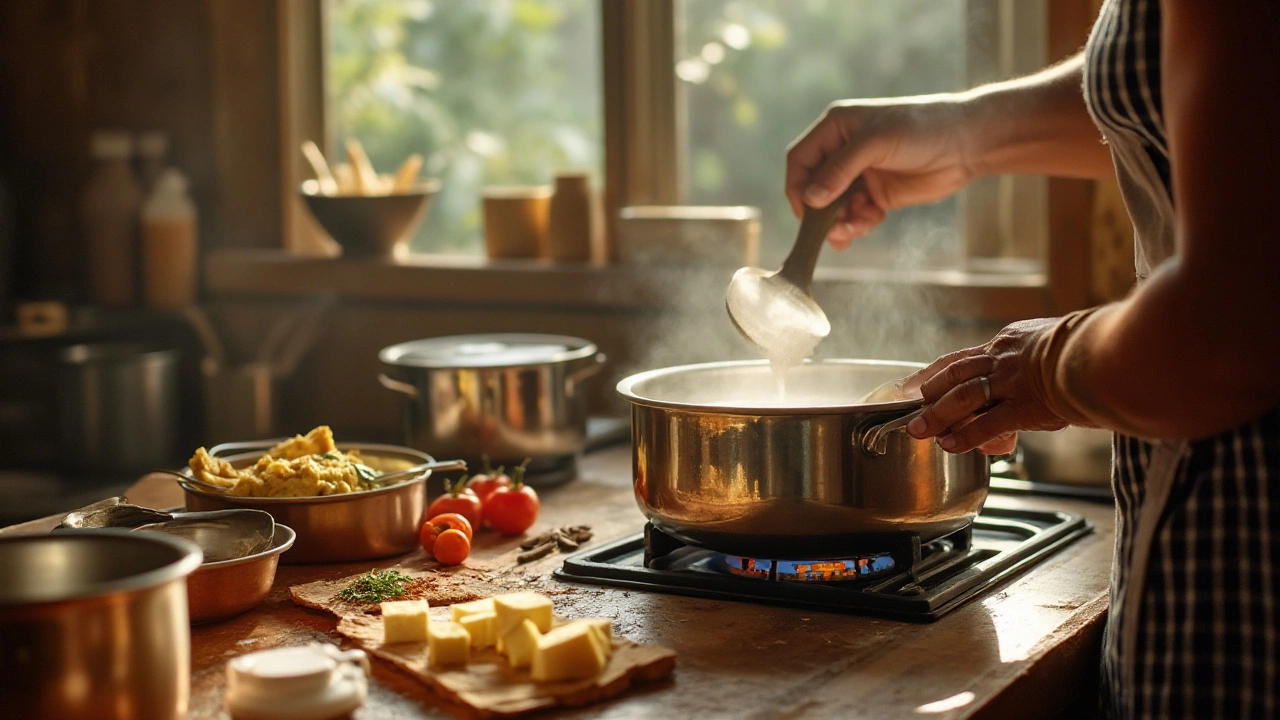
[371, 225]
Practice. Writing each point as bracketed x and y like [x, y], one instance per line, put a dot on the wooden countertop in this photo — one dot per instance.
[1025, 649]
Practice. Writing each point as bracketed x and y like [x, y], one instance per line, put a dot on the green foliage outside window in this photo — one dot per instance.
[491, 92]
[758, 72]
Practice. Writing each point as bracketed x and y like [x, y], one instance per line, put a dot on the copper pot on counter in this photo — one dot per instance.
[93, 624]
[721, 461]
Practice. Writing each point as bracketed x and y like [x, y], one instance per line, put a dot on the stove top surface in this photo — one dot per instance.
[912, 581]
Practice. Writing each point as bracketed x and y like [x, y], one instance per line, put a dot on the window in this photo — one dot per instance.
[491, 93]
[757, 72]
[683, 101]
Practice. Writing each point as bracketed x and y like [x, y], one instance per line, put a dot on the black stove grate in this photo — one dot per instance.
[936, 577]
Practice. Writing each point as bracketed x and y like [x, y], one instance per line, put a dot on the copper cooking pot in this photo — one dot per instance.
[93, 624]
[721, 461]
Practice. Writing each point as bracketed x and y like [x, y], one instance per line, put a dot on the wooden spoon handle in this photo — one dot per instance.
[800, 263]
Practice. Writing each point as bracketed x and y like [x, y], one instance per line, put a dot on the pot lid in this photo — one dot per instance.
[487, 351]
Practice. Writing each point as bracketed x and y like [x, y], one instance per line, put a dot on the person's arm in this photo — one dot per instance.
[1037, 125]
[914, 150]
[1196, 349]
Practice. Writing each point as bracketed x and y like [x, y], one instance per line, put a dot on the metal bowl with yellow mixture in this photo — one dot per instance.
[347, 516]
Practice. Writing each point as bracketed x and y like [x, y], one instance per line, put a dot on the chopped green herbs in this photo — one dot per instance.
[375, 586]
[366, 473]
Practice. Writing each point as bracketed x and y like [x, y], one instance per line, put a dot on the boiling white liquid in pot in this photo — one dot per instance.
[779, 319]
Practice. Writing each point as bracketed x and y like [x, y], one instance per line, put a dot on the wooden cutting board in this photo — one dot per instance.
[488, 686]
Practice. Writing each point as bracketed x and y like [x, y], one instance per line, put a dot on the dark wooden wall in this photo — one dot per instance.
[203, 71]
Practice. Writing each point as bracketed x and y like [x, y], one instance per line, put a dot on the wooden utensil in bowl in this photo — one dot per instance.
[371, 225]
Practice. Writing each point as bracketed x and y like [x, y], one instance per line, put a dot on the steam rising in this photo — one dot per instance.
[877, 320]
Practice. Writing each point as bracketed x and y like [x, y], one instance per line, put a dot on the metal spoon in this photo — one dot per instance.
[409, 472]
[222, 534]
[193, 480]
[756, 299]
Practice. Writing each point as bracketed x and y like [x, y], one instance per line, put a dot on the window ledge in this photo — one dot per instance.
[432, 279]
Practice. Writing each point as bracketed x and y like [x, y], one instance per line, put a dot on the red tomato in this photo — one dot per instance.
[458, 499]
[452, 547]
[483, 484]
[512, 510]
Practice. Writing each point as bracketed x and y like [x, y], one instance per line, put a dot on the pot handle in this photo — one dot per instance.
[394, 385]
[572, 379]
[875, 439]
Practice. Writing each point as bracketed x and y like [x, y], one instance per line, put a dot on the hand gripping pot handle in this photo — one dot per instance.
[874, 440]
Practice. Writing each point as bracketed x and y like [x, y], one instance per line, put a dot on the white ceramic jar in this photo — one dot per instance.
[305, 682]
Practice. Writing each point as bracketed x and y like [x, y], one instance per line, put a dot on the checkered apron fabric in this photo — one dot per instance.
[1194, 626]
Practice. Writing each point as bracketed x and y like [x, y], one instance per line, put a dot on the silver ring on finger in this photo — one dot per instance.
[985, 382]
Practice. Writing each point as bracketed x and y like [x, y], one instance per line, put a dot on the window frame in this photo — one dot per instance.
[644, 113]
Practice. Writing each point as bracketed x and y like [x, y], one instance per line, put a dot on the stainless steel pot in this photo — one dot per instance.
[722, 462]
[508, 396]
[93, 624]
[119, 406]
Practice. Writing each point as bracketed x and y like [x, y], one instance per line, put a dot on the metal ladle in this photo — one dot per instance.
[222, 534]
[755, 296]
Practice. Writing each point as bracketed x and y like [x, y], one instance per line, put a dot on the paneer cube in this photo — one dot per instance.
[483, 628]
[519, 642]
[461, 610]
[569, 652]
[511, 608]
[450, 644]
[602, 629]
[404, 621]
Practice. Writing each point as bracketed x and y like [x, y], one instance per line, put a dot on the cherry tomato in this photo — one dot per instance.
[512, 510]
[458, 499]
[429, 534]
[455, 521]
[433, 528]
[484, 483]
[452, 547]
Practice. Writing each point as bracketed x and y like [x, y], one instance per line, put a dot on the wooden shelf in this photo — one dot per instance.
[461, 280]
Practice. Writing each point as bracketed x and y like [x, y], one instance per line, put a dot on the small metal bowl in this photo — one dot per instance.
[220, 590]
[343, 527]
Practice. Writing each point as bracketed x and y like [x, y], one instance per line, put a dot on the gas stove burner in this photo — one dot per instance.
[904, 579]
[859, 568]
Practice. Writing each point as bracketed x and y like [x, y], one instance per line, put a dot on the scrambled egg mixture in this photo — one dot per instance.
[300, 467]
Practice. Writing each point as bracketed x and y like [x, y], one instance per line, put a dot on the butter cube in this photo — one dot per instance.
[519, 643]
[602, 630]
[511, 608]
[461, 610]
[483, 628]
[450, 644]
[404, 621]
[569, 652]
